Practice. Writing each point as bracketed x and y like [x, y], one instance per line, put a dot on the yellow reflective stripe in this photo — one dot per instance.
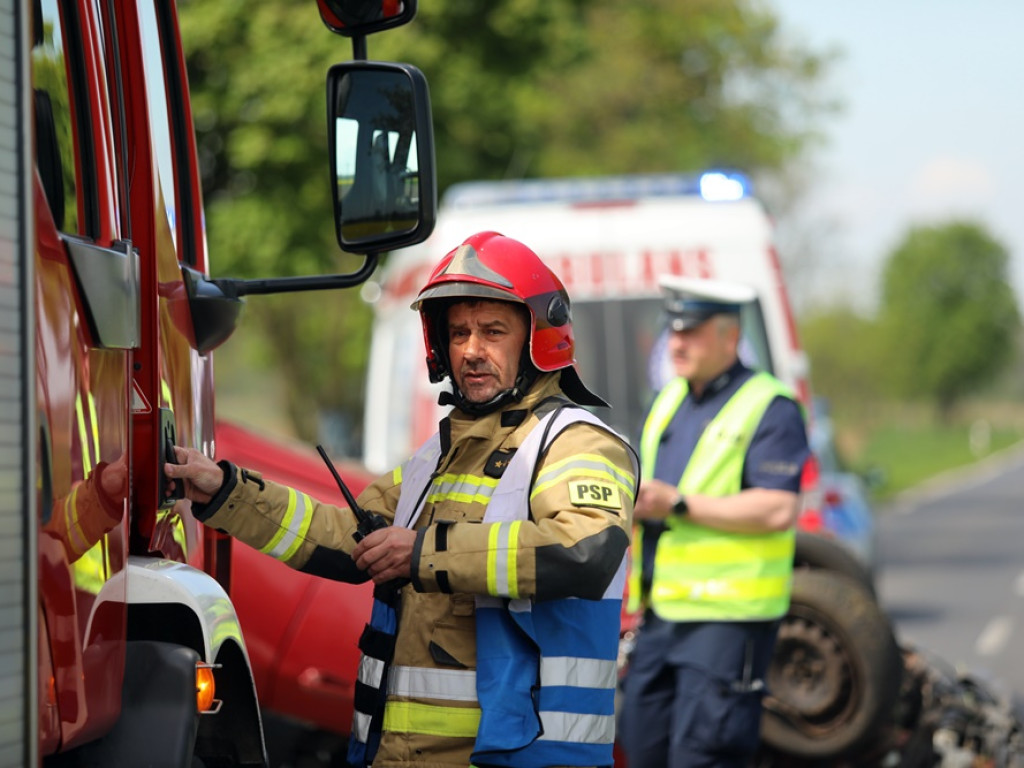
[587, 465]
[94, 428]
[465, 489]
[731, 549]
[412, 717]
[178, 532]
[291, 534]
[83, 436]
[76, 536]
[502, 578]
[721, 590]
[419, 682]
[87, 570]
[165, 392]
[396, 475]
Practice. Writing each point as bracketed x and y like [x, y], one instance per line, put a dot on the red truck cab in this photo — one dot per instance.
[116, 600]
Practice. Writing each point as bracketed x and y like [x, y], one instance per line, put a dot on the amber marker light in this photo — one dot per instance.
[205, 689]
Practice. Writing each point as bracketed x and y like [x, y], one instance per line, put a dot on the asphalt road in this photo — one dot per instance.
[952, 570]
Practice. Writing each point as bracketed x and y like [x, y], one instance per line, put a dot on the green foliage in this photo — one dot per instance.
[518, 88]
[906, 455]
[534, 88]
[845, 353]
[949, 313]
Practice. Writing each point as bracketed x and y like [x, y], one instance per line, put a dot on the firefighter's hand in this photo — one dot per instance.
[200, 475]
[655, 500]
[386, 554]
[114, 477]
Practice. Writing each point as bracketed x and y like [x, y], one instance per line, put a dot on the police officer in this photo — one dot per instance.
[509, 528]
[721, 453]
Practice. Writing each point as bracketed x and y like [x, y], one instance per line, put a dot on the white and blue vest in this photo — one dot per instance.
[546, 671]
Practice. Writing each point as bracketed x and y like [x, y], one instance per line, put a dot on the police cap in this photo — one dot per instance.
[690, 301]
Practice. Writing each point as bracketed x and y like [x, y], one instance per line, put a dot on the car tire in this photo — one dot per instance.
[835, 676]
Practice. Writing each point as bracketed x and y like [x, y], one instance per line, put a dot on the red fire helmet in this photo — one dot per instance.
[489, 265]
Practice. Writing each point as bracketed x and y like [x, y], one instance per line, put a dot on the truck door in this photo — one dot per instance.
[173, 383]
[85, 304]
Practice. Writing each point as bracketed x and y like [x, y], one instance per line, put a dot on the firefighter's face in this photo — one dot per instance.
[702, 353]
[485, 339]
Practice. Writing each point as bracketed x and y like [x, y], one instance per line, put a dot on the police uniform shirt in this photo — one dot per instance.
[774, 459]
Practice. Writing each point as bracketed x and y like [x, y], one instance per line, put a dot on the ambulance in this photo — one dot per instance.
[608, 239]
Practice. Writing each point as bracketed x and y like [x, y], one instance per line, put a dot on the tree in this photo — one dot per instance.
[532, 88]
[518, 88]
[948, 312]
[844, 350]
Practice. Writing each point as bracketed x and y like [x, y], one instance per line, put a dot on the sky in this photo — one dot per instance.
[932, 127]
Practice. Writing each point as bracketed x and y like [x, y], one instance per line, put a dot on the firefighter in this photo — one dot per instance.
[508, 535]
[721, 451]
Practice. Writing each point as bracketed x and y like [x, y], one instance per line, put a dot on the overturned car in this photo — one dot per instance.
[844, 692]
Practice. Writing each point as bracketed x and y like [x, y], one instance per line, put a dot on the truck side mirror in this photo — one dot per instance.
[381, 155]
[356, 18]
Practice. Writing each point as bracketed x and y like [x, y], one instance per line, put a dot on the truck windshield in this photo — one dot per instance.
[620, 350]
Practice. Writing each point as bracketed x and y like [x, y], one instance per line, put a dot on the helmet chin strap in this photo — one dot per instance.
[524, 380]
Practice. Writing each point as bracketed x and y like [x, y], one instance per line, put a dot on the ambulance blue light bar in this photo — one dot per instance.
[718, 186]
[713, 186]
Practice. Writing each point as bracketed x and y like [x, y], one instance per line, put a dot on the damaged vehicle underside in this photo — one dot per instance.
[845, 692]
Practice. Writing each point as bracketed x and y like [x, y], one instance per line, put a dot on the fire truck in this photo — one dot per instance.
[120, 641]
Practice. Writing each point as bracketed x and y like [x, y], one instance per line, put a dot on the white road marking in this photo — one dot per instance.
[994, 637]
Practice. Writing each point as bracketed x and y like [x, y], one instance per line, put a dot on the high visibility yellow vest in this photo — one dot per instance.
[701, 573]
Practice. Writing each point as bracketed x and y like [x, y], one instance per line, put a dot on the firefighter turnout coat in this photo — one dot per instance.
[571, 545]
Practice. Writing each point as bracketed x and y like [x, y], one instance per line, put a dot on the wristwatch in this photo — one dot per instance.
[680, 508]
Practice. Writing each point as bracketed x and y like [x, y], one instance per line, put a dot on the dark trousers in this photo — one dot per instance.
[693, 692]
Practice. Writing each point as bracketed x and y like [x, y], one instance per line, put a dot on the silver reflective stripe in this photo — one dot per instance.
[370, 671]
[464, 488]
[360, 726]
[416, 474]
[597, 465]
[577, 672]
[504, 556]
[417, 682]
[295, 524]
[580, 729]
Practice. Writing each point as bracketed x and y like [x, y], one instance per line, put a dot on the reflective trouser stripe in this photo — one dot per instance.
[577, 672]
[581, 729]
[417, 682]
[412, 717]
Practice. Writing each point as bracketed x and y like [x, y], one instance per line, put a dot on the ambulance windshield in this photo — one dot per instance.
[621, 354]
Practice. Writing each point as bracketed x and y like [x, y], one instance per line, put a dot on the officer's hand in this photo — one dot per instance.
[200, 475]
[386, 554]
[655, 500]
